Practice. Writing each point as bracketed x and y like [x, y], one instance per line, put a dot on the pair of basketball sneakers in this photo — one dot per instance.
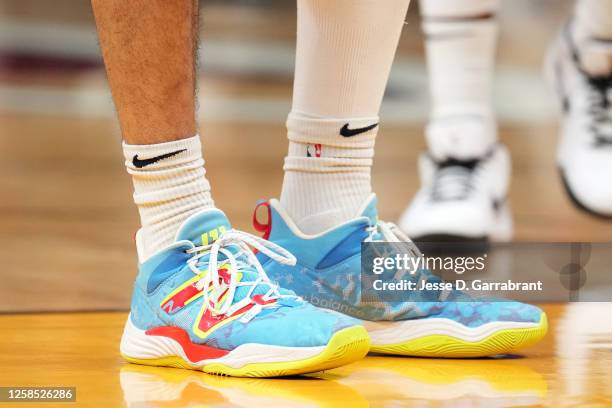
[227, 302]
[211, 301]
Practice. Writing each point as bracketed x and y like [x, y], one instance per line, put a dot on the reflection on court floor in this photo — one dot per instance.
[572, 366]
[375, 379]
[161, 387]
[479, 382]
[584, 349]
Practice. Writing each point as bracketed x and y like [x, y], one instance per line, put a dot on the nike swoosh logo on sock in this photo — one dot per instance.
[346, 132]
[140, 163]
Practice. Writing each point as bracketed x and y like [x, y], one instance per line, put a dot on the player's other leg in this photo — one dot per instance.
[465, 172]
[344, 54]
[579, 67]
[201, 299]
[327, 210]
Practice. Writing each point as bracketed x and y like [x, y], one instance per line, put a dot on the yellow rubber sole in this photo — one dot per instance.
[346, 346]
[501, 342]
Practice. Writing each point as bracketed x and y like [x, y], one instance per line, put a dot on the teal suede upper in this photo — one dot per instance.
[288, 322]
[328, 274]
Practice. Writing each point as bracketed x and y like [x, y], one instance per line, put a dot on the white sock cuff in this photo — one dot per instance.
[188, 150]
[169, 186]
[338, 132]
[172, 193]
[327, 165]
[441, 27]
[305, 150]
[593, 18]
[176, 169]
[457, 9]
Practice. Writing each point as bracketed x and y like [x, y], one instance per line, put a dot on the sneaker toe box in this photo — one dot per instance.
[589, 184]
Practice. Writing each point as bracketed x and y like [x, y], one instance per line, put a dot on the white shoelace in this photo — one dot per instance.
[600, 109]
[210, 283]
[392, 233]
[452, 183]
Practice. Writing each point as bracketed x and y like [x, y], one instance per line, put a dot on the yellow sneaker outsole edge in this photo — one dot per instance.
[346, 346]
[501, 342]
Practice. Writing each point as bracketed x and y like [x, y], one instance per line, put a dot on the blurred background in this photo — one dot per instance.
[66, 212]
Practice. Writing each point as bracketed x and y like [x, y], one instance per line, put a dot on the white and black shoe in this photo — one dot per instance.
[581, 72]
[464, 184]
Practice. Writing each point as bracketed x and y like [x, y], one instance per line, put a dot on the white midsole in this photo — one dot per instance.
[135, 343]
[388, 332]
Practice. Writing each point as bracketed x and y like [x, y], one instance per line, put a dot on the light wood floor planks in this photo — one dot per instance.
[571, 367]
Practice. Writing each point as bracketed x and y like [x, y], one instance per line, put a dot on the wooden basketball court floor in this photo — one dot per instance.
[67, 220]
[571, 367]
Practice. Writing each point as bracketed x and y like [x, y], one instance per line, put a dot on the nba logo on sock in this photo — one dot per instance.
[316, 149]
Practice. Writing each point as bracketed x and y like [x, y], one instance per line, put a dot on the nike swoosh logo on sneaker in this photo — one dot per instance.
[140, 163]
[346, 132]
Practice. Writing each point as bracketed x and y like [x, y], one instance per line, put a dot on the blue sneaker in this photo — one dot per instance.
[206, 303]
[328, 273]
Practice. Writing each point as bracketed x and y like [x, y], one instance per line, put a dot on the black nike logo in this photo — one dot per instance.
[140, 163]
[346, 132]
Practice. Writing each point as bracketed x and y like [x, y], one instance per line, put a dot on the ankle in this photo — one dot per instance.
[327, 169]
[169, 186]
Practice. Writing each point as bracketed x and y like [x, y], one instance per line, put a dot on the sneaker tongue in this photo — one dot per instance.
[596, 58]
[369, 209]
[204, 227]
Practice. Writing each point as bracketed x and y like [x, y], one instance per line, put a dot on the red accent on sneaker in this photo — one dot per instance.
[194, 352]
[224, 276]
[260, 300]
[208, 320]
[178, 301]
[264, 228]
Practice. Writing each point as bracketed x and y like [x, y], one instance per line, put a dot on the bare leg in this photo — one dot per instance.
[149, 53]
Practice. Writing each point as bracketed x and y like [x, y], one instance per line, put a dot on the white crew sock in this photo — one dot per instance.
[345, 49]
[591, 34]
[460, 40]
[327, 176]
[593, 18]
[168, 188]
